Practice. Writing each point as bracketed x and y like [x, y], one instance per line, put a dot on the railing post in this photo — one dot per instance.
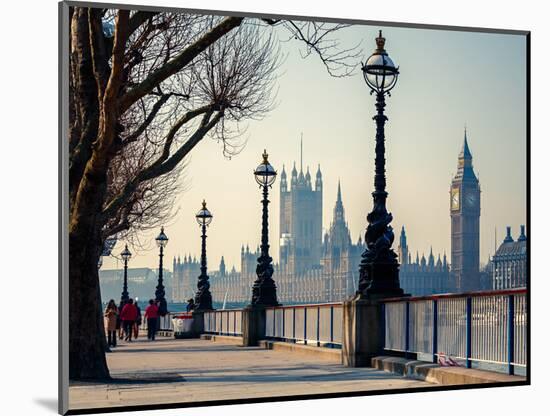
[511, 334]
[305, 326]
[383, 326]
[331, 325]
[407, 320]
[274, 328]
[469, 332]
[294, 324]
[434, 332]
[283, 326]
[235, 323]
[318, 325]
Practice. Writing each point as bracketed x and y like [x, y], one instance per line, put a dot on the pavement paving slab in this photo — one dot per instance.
[193, 370]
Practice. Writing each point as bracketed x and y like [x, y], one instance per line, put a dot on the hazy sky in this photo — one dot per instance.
[447, 79]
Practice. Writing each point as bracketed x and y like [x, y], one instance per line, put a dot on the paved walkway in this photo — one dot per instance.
[177, 371]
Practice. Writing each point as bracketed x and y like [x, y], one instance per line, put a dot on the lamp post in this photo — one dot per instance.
[264, 291]
[203, 297]
[161, 240]
[379, 268]
[126, 255]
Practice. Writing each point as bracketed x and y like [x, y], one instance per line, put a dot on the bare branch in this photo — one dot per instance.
[316, 38]
[177, 63]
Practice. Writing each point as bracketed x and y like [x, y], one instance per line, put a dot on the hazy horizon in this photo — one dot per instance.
[447, 79]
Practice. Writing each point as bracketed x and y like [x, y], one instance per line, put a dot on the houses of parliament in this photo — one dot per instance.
[324, 268]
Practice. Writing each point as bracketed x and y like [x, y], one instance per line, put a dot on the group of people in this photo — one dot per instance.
[126, 320]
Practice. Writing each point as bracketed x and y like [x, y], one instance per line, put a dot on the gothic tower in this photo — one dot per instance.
[403, 249]
[465, 211]
[338, 253]
[300, 220]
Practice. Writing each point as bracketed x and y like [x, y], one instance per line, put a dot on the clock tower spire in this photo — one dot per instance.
[465, 211]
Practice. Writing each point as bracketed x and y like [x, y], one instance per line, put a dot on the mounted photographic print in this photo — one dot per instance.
[260, 207]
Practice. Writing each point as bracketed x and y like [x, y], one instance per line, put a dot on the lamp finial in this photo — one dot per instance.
[380, 42]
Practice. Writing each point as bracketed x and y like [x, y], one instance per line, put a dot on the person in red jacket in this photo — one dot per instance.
[152, 316]
[128, 315]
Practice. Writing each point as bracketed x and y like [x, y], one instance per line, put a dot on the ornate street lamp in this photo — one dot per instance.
[126, 255]
[161, 240]
[379, 268]
[264, 291]
[203, 297]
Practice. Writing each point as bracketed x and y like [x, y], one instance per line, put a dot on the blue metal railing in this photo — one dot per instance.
[482, 327]
[317, 324]
[223, 322]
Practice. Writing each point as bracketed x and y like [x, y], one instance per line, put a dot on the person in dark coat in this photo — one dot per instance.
[118, 320]
[137, 323]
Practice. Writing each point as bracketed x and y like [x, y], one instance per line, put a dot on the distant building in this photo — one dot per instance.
[423, 277]
[509, 264]
[465, 212]
[142, 282]
[324, 268]
[185, 274]
[302, 275]
[301, 220]
[333, 278]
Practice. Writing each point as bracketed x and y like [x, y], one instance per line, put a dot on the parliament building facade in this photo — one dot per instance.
[317, 268]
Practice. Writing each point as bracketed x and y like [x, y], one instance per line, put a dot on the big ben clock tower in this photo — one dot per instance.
[465, 209]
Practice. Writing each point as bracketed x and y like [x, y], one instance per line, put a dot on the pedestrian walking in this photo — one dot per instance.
[152, 316]
[128, 317]
[110, 319]
[118, 320]
[138, 321]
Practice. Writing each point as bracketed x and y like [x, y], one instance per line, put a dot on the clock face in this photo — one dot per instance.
[471, 199]
[455, 199]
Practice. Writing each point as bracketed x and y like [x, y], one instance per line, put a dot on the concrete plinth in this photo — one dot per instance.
[253, 325]
[198, 324]
[362, 337]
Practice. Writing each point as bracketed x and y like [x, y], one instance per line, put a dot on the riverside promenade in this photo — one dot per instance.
[181, 371]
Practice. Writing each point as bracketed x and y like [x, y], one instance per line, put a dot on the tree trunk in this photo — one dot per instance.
[86, 331]
[87, 342]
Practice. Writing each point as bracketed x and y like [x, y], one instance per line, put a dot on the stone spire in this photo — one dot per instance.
[222, 267]
[308, 178]
[283, 184]
[508, 238]
[522, 236]
[465, 152]
[293, 177]
[318, 179]
[403, 249]
[339, 207]
[465, 171]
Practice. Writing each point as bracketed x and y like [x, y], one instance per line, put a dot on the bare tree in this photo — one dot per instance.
[145, 88]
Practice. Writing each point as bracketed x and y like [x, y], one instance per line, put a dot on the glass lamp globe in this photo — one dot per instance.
[204, 217]
[161, 240]
[264, 173]
[126, 255]
[379, 71]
